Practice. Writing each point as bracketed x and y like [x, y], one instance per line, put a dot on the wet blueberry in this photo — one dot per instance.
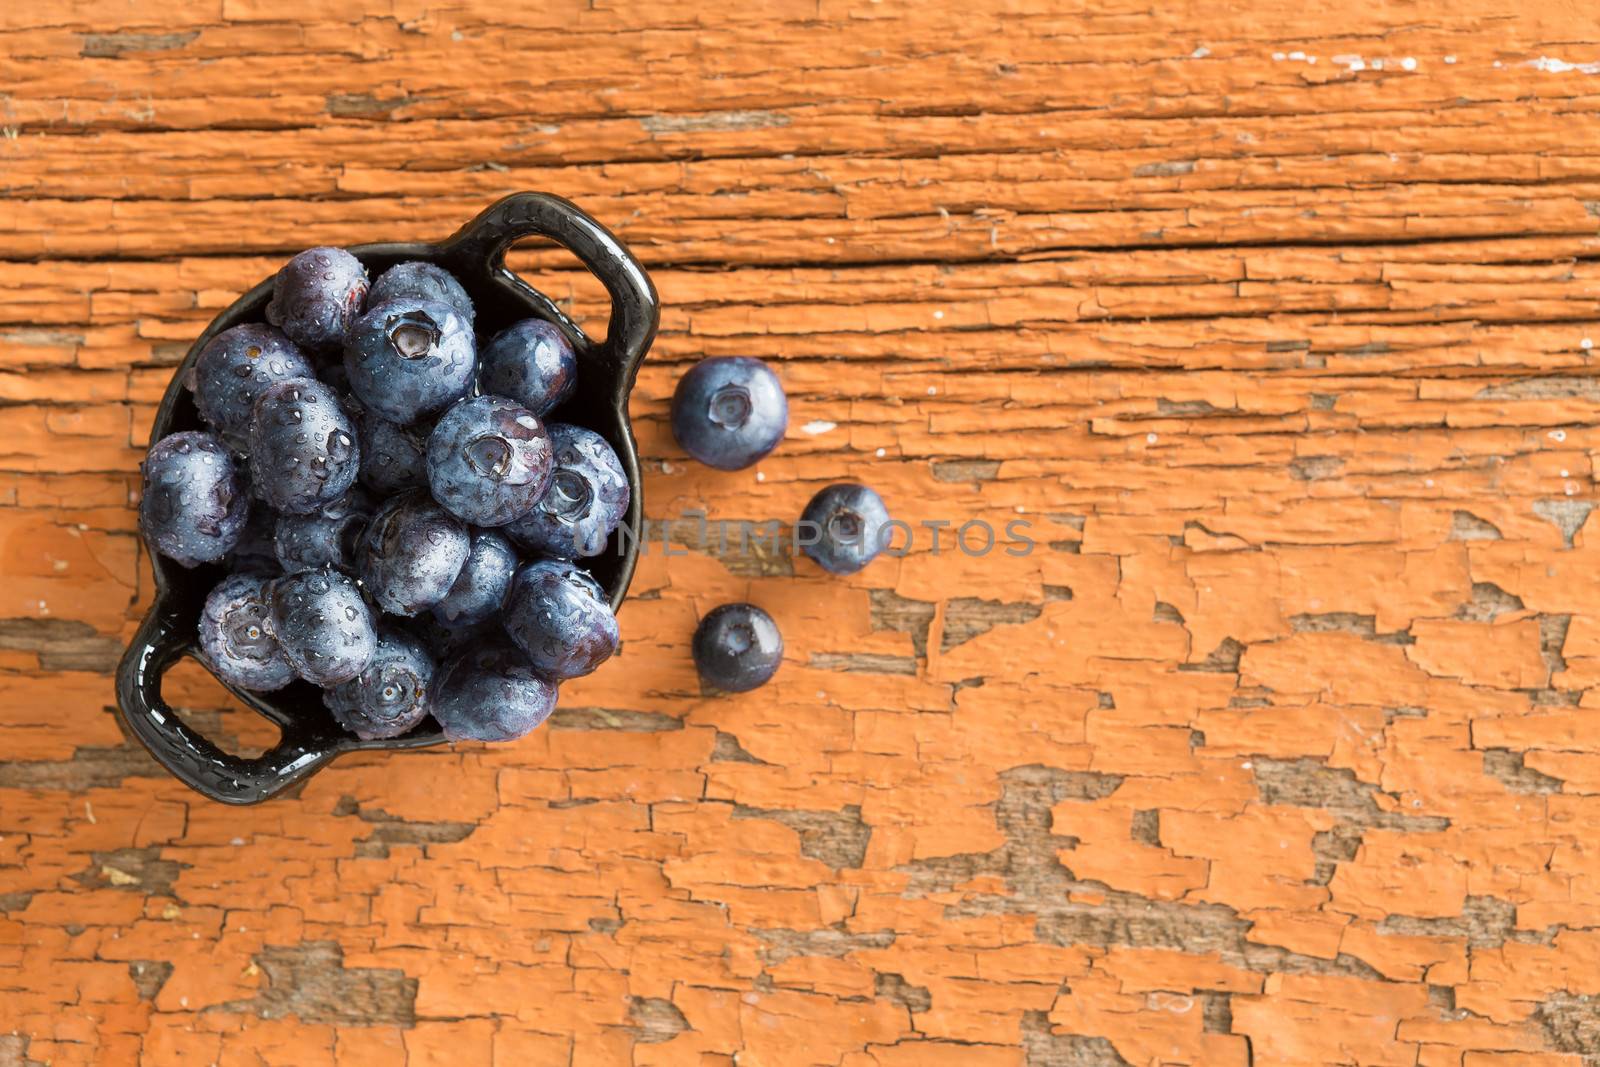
[303, 450]
[391, 695]
[232, 370]
[316, 297]
[587, 498]
[845, 526]
[729, 411]
[236, 636]
[411, 553]
[324, 627]
[490, 693]
[409, 358]
[393, 458]
[194, 505]
[481, 586]
[326, 537]
[737, 647]
[558, 616]
[531, 362]
[420, 280]
[489, 460]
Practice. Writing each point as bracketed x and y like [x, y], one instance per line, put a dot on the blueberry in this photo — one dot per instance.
[587, 497]
[411, 553]
[391, 695]
[327, 537]
[393, 459]
[729, 411]
[316, 296]
[531, 362]
[324, 627]
[847, 527]
[737, 647]
[194, 504]
[408, 358]
[232, 370]
[303, 451]
[490, 693]
[489, 460]
[481, 586]
[236, 636]
[418, 280]
[558, 616]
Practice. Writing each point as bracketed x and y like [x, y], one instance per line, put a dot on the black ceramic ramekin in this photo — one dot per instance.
[606, 371]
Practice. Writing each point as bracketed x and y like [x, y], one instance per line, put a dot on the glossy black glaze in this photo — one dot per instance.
[476, 256]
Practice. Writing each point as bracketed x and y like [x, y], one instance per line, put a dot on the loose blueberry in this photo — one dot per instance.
[559, 617]
[846, 526]
[587, 498]
[391, 695]
[419, 280]
[194, 505]
[232, 370]
[489, 460]
[729, 411]
[303, 450]
[393, 459]
[481, 586]
[490, 693]
[411, 553]
[737, 647]
[531, 362]
[324, 627]
[324, 538]
[316, 296]
[408, 358]
[236, 636]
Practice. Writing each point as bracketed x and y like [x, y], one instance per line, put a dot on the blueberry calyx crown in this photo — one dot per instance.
[249, 639]
[412, 334]
[730, 407]
[490, 455]
[739, 637]
[568, 497]
[845, 525]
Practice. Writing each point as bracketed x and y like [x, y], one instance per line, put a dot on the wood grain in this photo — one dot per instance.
[1273, 323]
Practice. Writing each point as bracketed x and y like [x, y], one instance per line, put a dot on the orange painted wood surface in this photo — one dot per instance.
[1274, 322]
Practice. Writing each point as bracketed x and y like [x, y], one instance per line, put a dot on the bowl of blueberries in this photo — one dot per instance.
[381, 500]
[387, 492]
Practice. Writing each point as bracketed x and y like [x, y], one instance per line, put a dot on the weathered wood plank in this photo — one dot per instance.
[1274, 325]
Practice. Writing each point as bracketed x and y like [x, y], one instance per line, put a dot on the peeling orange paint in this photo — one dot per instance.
[1276, 328]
